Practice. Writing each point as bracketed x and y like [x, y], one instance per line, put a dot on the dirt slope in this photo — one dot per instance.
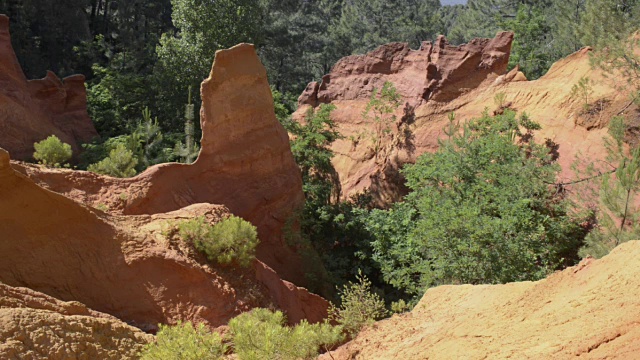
[32, 110]
[480, 75]
[36, 326]
[245, 164]
[590, 311]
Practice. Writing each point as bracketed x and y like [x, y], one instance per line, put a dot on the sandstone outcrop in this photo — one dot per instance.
[438, 80]
[32, 110]
[437, 71]
[245, 164]
[36, 326]
[589, 311]
[127, 266]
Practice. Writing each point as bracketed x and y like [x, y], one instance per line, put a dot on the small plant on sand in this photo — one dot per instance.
[500, 99]
[231, 241]
[583, 90]
[360, 306]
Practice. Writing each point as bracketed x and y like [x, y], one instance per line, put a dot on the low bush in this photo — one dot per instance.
[52, 152]
[359, 306]
[120, 163]
[262, 334]
[184, 342]
[232, 240]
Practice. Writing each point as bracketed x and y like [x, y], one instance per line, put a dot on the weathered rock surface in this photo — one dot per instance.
[30, 111]
[437, 71]
[466, 82]
[36, 326]
[125, 265]
[245, 164]
[589, 311]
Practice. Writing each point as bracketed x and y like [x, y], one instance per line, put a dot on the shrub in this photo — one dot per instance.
[262, 334]
[52, 152]
[483, 209]
[184, 342]
[120, 163]
[232, 240]
[359, 306]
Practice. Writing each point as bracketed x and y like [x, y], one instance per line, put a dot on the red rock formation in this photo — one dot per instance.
[245, 164]
[31, 111]
[437, 71]
[36, 326]
[125, 265]
[589, 311]
[438, 80]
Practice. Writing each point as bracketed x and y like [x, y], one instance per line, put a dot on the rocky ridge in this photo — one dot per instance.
[32, 110]
[589, 311]
[462, 80]
[36, 326]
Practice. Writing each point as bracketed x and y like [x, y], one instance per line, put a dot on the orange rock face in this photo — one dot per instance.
[122, 263]
[437, 71]
[127, 266]
[30, 111]
[245, 164]
[589, 311]
[36, 326]
[438, 80]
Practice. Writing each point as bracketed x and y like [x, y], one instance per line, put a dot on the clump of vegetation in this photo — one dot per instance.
[52, 152]
[359, 306]
[120, 163]
[380, 114]
[618, 217]
[262, 334]
[231, 241]
[482, 209]
[500, 99]
[185, 342]
[583, 90]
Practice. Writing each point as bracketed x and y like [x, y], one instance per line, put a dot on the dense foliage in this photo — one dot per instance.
[481, 210]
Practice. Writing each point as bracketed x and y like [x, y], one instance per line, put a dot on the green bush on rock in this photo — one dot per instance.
[232, 240]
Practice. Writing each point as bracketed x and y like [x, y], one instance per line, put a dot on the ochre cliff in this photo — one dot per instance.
[36, 326]
[32, 110]
[462, 80]
[589, 311]
[245, 164]
[125, 265]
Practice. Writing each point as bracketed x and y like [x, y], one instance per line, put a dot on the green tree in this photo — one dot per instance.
[262, 334]
[184, 342]
[184, 57]
[52, 152]
[367, 24]
[530, 48]
[379, 112]
[481, 210]
[618, 217]
[359, 306]
[120, 163]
